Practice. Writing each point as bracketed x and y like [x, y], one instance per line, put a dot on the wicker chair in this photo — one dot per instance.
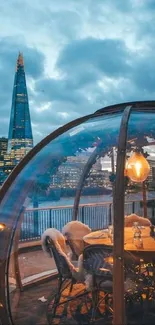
[99, 278]
[68, 275]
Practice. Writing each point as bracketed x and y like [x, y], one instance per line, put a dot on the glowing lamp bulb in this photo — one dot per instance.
[137, 167]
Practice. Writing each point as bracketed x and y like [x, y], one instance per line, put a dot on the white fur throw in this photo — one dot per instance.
[76, 231]
[59, 242]
[129, 220]
[57, 238]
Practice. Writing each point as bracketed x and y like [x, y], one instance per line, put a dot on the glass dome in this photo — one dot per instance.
[104, 271]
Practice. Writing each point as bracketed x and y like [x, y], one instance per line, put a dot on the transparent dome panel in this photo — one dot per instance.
[72, 177]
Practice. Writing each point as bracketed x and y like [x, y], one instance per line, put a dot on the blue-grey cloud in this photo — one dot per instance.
[108, 56]
[34, 59]
[83, 63]
[79, 56]
[143, 75]
[65, 24]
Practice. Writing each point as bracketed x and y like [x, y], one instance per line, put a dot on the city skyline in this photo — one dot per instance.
[79, 57]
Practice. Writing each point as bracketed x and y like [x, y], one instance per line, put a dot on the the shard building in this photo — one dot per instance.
[20, 139]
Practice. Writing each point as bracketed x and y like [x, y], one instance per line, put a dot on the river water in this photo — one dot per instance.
[93, 199]
[84, 199]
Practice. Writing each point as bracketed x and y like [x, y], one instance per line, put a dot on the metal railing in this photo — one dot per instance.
[95, 215]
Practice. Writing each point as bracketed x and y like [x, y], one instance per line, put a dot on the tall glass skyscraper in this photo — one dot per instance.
[20, 139]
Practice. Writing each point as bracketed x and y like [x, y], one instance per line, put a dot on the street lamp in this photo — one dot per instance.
[137, 169]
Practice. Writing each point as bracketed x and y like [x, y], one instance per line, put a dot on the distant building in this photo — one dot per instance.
[6, 160]
[69, 173]
[3, 151]
[151, 177]
[20, 139]
[3, 147]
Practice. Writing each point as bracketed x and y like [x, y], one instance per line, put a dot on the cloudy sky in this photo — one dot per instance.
[80, 55]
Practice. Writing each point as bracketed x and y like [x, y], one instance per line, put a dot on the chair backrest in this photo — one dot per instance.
[60, 259]
[56, 236]
[74, 231]
[94, 258]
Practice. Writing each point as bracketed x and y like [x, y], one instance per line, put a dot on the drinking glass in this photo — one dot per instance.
[111, 232]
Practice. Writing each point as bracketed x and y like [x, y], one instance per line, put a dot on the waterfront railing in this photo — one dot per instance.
[96, 215]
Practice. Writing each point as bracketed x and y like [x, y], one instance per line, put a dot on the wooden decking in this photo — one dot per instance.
[28, 310]
[33, 264]
[31, 311]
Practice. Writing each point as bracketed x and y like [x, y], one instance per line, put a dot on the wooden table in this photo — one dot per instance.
[147, 252]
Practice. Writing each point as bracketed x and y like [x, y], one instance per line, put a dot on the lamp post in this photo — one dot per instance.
[137, 169]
